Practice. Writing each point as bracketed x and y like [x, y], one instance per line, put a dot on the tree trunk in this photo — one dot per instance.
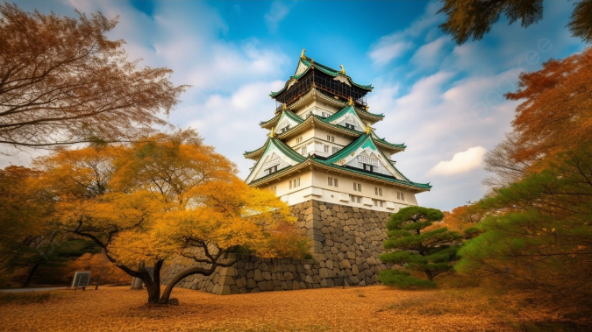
[430, 275]
[164, 299]
[30, 276]
[153, 285]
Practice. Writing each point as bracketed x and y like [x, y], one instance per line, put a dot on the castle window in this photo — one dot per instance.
[350, 126]
[330, 138]
[303, 150]
[325, 114]
[335, 149]
[270, 170]
[368, 167]
[299, 140]
[357, 187]
[400, 196]
[326, 147]
[378, 203]
[295, 183]
[332, 182]
[285, 129]
[355, 199]
[377, 191]
[273, 189]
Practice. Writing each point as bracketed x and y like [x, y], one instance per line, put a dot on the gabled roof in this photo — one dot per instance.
[317, 162]
[283, 148]
[326, 123]
[309, 63]
[349, 109]
[257, 152]
[365, 140]
[329, 163]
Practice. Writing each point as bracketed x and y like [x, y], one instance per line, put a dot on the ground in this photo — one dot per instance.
[373, 308]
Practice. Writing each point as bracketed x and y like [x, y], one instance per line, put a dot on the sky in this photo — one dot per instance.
[444, 101]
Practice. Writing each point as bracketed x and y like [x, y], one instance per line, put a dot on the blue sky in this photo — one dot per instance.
[444, 101]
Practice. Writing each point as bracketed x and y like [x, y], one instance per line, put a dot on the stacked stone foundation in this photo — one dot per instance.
[346, 243]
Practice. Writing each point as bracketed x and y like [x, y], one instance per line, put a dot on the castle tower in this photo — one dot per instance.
[325, 160]
[322, 147]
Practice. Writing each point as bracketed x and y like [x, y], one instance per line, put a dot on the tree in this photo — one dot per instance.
[474, 18]
[25, 240]
[539, 235]
[463, 217]
[553, 118]
[165, 197]
[63, 82]
[429, 252]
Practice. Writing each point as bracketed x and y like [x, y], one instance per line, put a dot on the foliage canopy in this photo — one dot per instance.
[62, 81]
[427, 251]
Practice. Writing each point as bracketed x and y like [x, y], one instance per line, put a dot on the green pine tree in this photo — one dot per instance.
[428, 251]
[537, 235]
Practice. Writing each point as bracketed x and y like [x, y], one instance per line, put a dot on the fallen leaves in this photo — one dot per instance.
[374, 308]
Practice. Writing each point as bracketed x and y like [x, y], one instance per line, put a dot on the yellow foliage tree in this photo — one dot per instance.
[165, 197]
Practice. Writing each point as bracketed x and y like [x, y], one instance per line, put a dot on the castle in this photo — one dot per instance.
[323, 158]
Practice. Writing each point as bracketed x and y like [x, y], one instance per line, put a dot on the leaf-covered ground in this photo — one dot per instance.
[375, 308]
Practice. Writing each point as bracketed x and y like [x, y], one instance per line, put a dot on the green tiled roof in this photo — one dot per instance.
[383, 141]
[283, 148]
[328, 120]
[352, 147]
[292, 116]
[369, 114]
[378, 175]
[337, 115]
[265, 123]
[327, 70]
[420, 186]
[260, 149]
[362, 141]
[286, 150]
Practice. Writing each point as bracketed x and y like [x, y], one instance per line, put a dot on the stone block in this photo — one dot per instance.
[226, 281]
[228, 271]
[258, 276]
[251, 283]
[345, 264]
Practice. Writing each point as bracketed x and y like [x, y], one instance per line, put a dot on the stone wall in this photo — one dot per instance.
[346, 243]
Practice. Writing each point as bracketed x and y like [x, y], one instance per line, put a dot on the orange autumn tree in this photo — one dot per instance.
[554, 117]
[168, 197]
[62, 81]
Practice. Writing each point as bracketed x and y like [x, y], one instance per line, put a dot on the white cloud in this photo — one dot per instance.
[461, 162]
[398, 43]
[231, 123]
[388, 49]
[430, 54]
[277, 12]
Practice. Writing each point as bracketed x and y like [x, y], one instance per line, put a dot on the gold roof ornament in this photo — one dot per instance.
[284, 107]
[272, 133]
[342, 69]
[302, 56]
[367, 130]
[367, 108]
[350, 102]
